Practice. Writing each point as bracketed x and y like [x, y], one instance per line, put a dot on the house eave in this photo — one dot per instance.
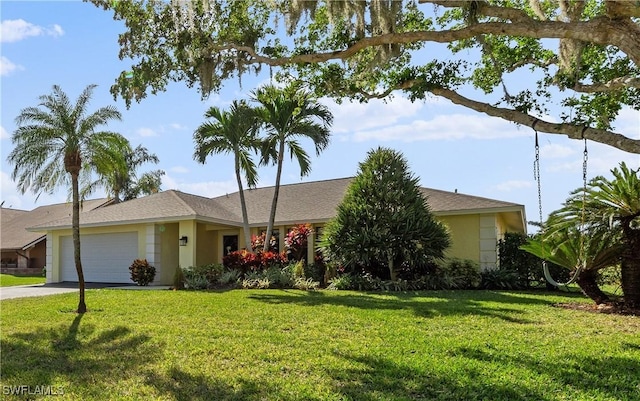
[34, 243]
[492, 210]
[173, 219]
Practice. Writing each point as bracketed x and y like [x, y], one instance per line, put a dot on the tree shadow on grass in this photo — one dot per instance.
[181, 385]
[565, 377]
[90, 362]
[425, 304]
[598, 376]
[377, 378]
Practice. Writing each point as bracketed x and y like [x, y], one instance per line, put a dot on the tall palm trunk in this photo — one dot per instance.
[630, 266]
[243, 204]
[274, 202]
[75, 222]
[589, 286]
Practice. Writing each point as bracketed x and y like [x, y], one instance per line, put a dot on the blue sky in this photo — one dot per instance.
[73, 44]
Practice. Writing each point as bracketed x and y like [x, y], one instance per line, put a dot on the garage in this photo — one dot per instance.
[105, 257]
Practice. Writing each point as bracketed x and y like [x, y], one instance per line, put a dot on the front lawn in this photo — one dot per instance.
[295, 345]
[10, 280]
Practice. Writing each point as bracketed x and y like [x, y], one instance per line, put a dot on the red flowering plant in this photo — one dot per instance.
[257, 242]
[270, 258]
[242, 260]
[297, 239]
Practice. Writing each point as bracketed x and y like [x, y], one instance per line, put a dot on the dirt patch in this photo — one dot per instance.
[609, 308]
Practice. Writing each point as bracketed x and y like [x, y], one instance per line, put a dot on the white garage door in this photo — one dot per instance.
[105, 257]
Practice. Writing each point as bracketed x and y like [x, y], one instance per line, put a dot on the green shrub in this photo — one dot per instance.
[384, 224]
[501, 279]
[316, 271]
[230, 277]
[142, 273]
[434, 281]
[341, 282]
[610, 276]
[306, 284]
[203, 276]
[298, 269]
[279, 277]
[458, 273]
[256, 283]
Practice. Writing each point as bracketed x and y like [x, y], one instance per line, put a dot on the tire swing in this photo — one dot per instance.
[581, 262]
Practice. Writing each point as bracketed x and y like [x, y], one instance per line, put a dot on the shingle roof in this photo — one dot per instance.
[304, 202]
[13, 234]
[443, 202]
[307, 201]
[162, 206]
[317, 201]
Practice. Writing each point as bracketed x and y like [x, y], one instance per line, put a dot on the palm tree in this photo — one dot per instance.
[615, 205]
[610, 227]
[54, 143]
[123, 182]
[565, 247]
[232, 131]
[288, 114]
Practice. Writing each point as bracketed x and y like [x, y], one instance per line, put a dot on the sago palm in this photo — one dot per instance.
[234, 132]
[615, 204]
[289, 114]
[568, 248]
[54, 143]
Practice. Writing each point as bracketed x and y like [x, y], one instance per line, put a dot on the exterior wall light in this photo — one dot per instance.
[183, 240]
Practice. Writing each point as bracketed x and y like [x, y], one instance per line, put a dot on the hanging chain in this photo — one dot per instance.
[585, 158]
[536, 177]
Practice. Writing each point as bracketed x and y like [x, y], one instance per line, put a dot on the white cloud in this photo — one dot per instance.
[56, 30]
[351, 116]
[146, 132]
[628, 123]
[444, 127]
[4, 134]
[555, 151]
[511, 185]
[179, 169]
[19, 29]
[7, 67]
[178, 126]
[207, 189]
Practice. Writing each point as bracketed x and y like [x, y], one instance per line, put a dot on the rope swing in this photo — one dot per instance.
[582, 262]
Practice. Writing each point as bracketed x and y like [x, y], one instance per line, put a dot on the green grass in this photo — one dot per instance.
[10, 280]
[294, 345]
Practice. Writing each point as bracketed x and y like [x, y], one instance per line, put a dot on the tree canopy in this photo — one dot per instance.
[562, 66]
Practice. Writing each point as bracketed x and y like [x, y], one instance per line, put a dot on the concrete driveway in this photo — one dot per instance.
[39, 290]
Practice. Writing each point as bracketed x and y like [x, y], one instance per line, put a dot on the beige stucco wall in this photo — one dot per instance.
[205, 245]
[169, 252]
[465, 236]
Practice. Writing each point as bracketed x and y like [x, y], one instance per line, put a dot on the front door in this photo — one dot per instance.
[229, 244]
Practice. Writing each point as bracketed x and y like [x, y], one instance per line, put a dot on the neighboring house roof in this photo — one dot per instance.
[163, 206]
[14, 234]
[304, 202]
